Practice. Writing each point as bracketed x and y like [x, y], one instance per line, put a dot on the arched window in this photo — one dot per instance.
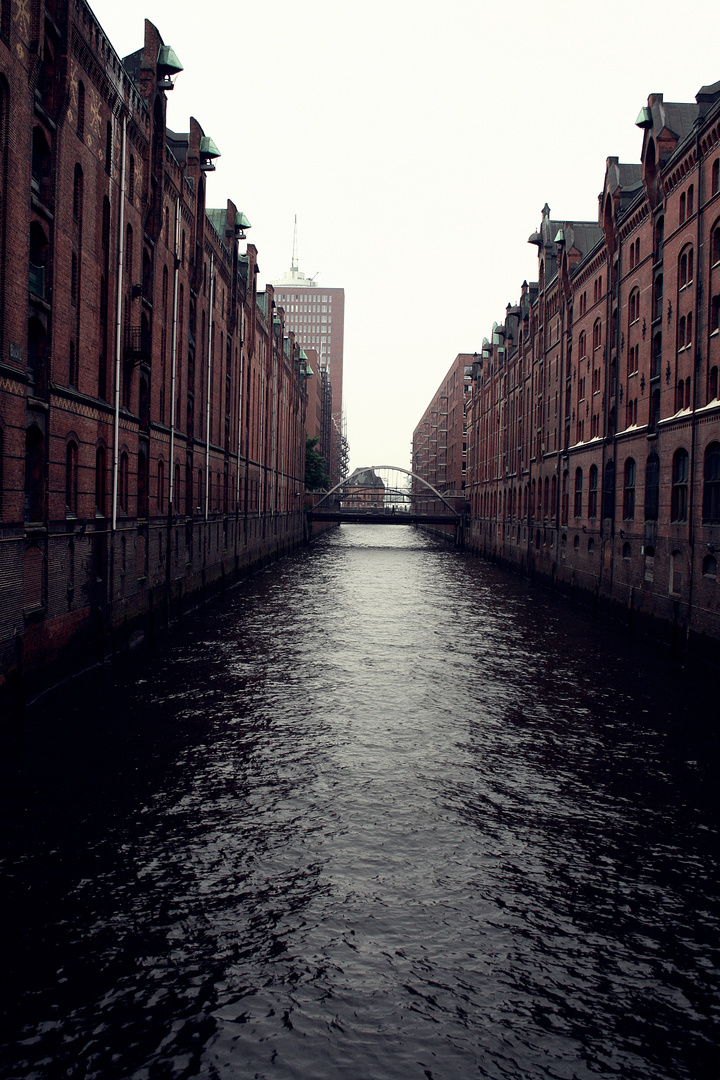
[715, 182]
[715, 314]
[713, 384]
[679, 500]
[629, 490]
[582, 346]
[626, 551]
[709, 566]
[593, 492]
[597, 335]
[609, 489]
[680, 395]
[711, 483]
[691, 201]
[131, 178]
[686, 268]
[681, 210]
[546, 496]
[577, 508]
[634, 306]
[71, 478]
[716, 244]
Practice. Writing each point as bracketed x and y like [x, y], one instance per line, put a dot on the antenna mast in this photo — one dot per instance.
[294, 265]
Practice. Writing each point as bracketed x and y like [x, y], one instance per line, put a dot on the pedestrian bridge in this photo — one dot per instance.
[387, 495]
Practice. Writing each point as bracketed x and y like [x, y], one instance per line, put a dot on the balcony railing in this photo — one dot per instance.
[36, 280]
[138, 344]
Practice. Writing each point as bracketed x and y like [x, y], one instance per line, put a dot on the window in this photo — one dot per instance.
[679, 499]
[71, 478]
[686, 268]
[634, 306]
[108, 146]
[715, 184]
[34, 474]
[716, 244]
[142, 484]
[626, 551]
[711, 483]
[681, 211]
[658, 297]
[577, 509]
[123, 481]
[582, 343]
[713, 384]
[715, 314]
[597, 335]
[676, 572]
[592, 492]
[81, 110]
[680, 396]
[629, 490]
[690, 201]
[131, 179]
[78, 194]
[609, 489]
[100, 481]
[161, 487]
[709, 567]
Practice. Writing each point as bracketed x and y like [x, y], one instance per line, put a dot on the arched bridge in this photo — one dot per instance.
[387, 495]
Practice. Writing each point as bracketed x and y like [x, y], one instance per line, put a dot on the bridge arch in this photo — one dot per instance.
[392, 468]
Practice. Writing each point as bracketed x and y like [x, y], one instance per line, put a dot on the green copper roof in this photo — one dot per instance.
[644, 118]
[303, 354]
[241, 222]
[167, 59]
[208, 147]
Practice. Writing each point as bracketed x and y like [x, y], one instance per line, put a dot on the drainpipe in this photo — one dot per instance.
[173, 349]
[118, 329]
[209, 386]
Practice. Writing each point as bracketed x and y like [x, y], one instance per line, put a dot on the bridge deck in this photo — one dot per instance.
[366, 517]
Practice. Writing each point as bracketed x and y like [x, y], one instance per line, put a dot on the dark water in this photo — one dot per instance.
[382, 814]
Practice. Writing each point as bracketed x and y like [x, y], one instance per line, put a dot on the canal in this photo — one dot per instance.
[382, 812]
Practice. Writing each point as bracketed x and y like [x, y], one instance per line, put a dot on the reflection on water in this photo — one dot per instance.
[384, 813]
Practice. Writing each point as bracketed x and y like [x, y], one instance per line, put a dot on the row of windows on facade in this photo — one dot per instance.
[194, 481]
[542, 497]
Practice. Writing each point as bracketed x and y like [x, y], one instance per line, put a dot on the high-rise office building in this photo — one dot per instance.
[316, 315]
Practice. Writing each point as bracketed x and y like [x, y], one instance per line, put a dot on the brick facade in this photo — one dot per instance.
[593, 426]
[152, 405]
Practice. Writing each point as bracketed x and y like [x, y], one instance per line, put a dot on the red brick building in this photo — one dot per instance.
[439, 445]
[152, 406]
[593, 427]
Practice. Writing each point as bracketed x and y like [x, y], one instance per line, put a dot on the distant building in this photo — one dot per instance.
[364, 490]
[439, 448]
[317, 318]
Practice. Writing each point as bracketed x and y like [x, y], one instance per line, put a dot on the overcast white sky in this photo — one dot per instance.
[417, 142]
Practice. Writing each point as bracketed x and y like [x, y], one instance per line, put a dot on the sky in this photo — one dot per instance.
[417, 143]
